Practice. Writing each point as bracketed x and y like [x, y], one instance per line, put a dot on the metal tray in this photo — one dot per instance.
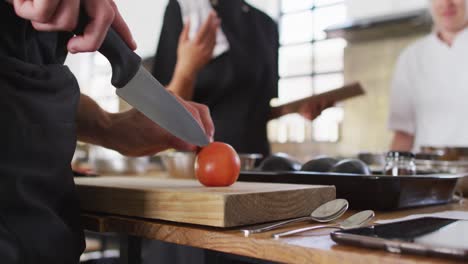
[377, 192]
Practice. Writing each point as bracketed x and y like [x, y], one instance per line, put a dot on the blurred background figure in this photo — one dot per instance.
[224, 54]
[430, 85]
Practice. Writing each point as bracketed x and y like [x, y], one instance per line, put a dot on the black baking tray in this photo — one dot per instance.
[376, 192]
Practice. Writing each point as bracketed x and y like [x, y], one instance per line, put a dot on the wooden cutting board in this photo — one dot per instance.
[187, 201]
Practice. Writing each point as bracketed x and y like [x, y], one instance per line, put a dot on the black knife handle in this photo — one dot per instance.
[125, 63]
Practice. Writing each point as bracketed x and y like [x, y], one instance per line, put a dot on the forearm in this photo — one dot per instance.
[92, 121]
[130, 132]
[183, 84]
[402, 141]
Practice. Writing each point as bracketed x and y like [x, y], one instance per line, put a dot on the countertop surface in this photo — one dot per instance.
[313, 247]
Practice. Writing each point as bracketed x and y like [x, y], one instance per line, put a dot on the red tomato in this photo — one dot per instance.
[217, 165]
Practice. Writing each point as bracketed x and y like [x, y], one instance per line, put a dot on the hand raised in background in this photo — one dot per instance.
[194, 54]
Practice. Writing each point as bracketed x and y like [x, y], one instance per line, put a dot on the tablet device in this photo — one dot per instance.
[424, 236]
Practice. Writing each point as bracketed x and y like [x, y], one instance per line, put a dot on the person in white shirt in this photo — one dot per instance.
[428, 102]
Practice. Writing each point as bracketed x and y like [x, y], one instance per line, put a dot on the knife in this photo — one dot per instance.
[141, 90]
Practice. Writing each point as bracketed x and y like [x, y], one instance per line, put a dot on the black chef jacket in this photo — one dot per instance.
[39, 212]
[238, 85]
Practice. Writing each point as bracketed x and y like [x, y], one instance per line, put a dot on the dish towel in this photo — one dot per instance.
[197, 11]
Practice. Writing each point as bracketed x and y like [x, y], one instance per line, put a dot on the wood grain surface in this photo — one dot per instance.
[312, 247]
[187, 201]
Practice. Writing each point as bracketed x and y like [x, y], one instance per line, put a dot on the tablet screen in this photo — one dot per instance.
[433, 232]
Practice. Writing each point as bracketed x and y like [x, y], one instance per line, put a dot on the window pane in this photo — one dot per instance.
[289, 128]
[294, 88]
[326, 126]
[295, 5]
[329, 55]
[327, 2]
[300, 23]
[99, 86]
[295, 60]
[296, 28]
[326, 17]
[327, 82]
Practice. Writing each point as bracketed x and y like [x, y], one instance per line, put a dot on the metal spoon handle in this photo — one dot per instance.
[247, 232]
[300, 230]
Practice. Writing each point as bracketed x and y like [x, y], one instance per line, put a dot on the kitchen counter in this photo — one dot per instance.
[316, 248]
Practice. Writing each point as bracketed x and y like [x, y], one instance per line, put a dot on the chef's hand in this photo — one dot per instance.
[313, 109]
[193, 55]
[62, 15]
[139, 136]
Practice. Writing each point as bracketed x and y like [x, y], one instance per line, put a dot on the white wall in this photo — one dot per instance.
[145, 20]
[369, 8]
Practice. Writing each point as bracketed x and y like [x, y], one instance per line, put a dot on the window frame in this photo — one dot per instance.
[314, 73]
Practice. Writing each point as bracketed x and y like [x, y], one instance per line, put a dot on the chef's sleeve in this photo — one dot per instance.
[402, 117]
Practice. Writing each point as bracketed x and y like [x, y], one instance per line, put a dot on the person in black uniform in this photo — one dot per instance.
[42, 114]
[236, 79]
[238, 84]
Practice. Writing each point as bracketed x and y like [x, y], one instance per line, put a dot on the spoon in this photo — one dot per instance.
[327, 212]
[355, 220]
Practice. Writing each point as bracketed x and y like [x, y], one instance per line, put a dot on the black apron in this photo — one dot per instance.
[39, 211]
[238, 85]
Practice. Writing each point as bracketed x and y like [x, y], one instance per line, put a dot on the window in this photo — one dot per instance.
[308, 64]
[100, 87]
[93, 72]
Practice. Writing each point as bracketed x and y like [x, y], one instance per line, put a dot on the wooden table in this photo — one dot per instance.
[310, 248]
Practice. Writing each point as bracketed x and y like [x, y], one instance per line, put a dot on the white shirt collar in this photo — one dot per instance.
[460, 38]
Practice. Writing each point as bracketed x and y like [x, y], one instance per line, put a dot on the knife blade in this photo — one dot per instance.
[147, 95]
[141, 90]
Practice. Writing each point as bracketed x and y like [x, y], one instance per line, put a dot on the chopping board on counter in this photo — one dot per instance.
[187, 201]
